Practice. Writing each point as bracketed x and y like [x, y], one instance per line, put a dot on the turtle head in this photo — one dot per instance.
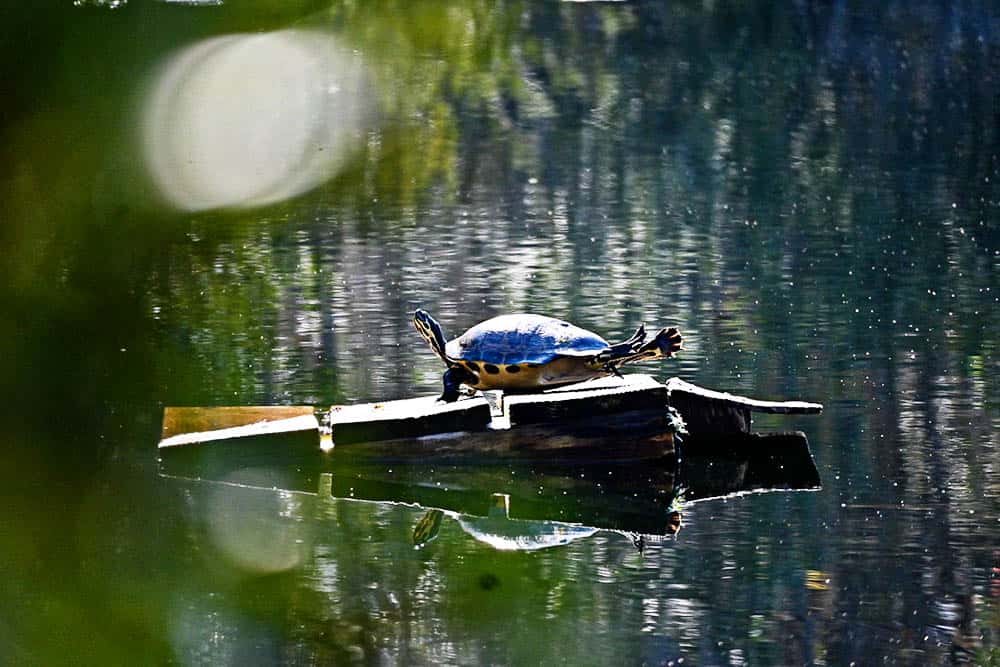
[431, 332]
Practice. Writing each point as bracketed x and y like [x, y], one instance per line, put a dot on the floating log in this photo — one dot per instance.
[407, 418]
[607, 419]
[494, 410]
[626, 436]
[244, 434]
[190, 425]
[708, 411]
[616, 420]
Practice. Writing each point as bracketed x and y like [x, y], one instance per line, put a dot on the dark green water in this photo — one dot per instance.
[811, 194]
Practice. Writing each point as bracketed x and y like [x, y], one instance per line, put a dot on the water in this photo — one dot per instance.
[810, 194]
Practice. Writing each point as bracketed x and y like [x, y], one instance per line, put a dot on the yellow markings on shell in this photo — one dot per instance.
[530, 376]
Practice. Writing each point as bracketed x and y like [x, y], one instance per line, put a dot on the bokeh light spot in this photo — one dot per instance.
[248, 120]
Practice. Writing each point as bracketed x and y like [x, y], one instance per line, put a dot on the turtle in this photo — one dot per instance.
[500, 531]
[525, 352]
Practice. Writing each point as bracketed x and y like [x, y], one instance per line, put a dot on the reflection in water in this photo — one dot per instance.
[737, 173]
[361, 577]
[248, 120]
[521, 507]
[257, 534]
[501, 532]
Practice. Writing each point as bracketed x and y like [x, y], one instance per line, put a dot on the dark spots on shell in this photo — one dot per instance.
[473, 366]
[513, 369]
[532, 365]
[491, 369]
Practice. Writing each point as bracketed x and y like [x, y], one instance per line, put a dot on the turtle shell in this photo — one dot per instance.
[522, 534]
[524, 339]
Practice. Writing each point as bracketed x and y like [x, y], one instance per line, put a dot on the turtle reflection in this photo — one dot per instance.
[500, 531]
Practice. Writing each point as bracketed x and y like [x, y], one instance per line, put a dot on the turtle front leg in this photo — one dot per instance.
[453, 379]
[451, 384]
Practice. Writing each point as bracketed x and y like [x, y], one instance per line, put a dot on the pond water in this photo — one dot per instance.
[243, 203]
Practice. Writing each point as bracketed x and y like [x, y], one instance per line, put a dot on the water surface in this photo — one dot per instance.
[809, 193]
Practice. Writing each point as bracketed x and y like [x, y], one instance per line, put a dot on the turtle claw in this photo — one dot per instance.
[613, 369]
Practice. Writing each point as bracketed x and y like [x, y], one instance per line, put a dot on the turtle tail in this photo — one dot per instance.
[666, 343]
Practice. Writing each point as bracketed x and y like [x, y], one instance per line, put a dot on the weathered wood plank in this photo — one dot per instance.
[406, 418]
[425, 416]
[676, 385]
[191, 425]
[708, 411]
[617, 418]
[627, 436]
[587, 400]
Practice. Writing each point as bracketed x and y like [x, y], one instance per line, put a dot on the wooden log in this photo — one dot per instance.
[494, 410]
[604, 420]
[625, 436]
[407, 418]
[205, 440]
[587, 400]
[707, 411]
[192, 425]
[607, 419]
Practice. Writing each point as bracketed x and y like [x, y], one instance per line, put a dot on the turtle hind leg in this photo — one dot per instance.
[627, 347]
[638, 337]
[666, 343]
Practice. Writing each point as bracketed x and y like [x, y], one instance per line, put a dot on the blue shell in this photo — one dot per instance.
[524, 339]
